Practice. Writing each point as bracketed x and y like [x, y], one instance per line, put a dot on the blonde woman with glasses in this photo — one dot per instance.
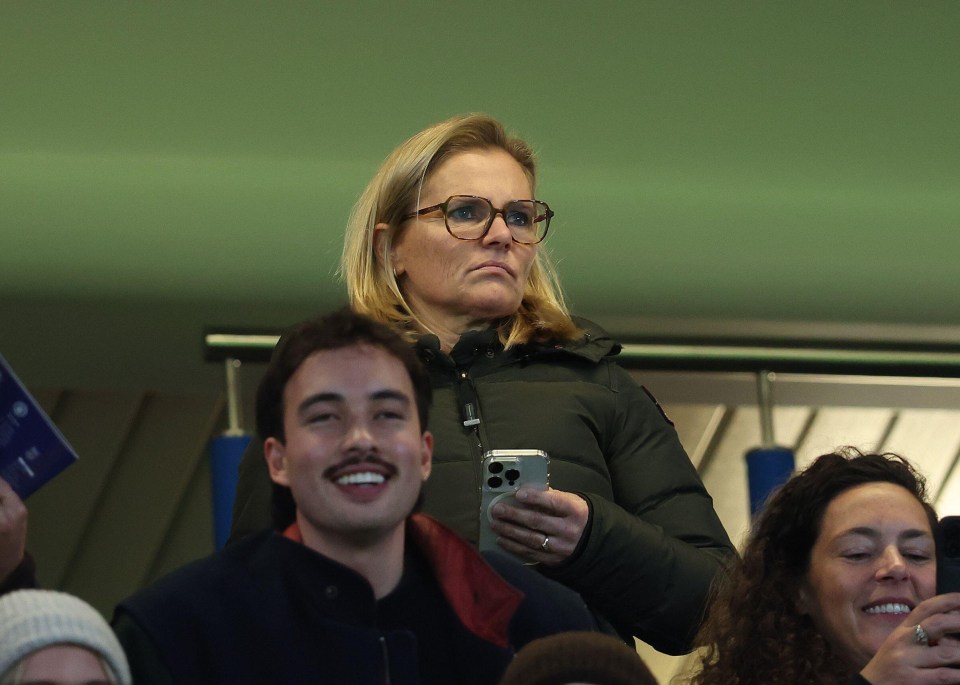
[446, 245]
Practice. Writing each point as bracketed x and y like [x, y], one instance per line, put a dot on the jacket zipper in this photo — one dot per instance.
[469, 407]
[470, 416]
[385, 679]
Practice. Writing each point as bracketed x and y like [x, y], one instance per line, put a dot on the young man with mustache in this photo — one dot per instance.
[351, 586]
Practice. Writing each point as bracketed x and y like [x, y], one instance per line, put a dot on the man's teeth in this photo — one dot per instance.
[888, 609]
[363, 478]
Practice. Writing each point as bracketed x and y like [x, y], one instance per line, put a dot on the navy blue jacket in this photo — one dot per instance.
[268, 609]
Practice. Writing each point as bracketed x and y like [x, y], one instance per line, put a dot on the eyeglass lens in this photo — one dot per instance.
[469, 218]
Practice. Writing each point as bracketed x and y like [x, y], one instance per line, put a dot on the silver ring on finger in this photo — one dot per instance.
[545, 543]
[920, 636]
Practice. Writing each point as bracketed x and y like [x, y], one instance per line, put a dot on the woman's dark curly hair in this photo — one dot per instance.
[754, 631]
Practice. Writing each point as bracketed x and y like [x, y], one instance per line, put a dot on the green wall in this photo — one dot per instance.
[168, 165]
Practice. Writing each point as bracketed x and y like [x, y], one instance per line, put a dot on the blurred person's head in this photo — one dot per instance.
[838, 557]
[408, 262]
[577, 658]
[57, 639]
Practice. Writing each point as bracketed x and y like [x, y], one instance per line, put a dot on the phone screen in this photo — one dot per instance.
[948, 555]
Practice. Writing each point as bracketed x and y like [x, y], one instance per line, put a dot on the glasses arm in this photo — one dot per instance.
[425, 210]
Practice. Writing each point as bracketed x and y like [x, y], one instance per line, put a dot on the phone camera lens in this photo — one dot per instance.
[512, 475]
[495, 467]
[494, 482]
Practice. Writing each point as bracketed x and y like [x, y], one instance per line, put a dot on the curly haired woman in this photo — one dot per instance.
[837, 585]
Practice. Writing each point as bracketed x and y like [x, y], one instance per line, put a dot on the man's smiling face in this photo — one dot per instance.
[354, 455]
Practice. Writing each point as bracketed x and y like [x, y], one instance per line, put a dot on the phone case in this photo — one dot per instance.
[948, 555]
[503, 472]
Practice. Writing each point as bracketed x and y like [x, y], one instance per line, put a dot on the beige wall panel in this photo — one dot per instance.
[96, 424]
[948, 497]
[666, 668]
[930, 439]
[696, 425]
[145, 492]
[948, 501]
[663, 666]
[726, 474]
[835, 427]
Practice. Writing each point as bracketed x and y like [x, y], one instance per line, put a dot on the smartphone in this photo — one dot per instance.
[503, 472]
[948, 555]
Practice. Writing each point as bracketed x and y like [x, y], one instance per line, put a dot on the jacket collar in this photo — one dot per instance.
[483, 601]
[593, 345]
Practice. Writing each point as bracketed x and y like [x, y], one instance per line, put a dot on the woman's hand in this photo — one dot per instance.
[904, 658]
[13, 530]
[544, 526]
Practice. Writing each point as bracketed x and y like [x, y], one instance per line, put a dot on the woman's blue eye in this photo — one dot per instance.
[516, 217]
[464, 212]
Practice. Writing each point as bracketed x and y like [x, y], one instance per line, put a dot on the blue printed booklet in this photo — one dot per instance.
[32, 449]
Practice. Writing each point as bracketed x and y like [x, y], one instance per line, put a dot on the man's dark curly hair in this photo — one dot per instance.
[340, 329]
[754, 631]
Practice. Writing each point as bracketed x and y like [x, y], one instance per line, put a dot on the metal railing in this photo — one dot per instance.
[869, 358]
[760, 357]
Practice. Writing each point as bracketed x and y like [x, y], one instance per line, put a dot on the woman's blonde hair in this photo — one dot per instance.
[394, 191]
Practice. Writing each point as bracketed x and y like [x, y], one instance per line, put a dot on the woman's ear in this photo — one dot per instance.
[382, 244]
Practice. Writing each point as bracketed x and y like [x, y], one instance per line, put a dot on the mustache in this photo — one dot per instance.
[333, 471]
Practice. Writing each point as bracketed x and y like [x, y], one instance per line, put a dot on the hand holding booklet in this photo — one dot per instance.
[32, 448]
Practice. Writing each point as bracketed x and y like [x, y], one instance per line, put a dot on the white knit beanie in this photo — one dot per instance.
[33, 619]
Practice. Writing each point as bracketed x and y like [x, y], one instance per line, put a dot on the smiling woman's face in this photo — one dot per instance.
[872, 563]
[453, 285]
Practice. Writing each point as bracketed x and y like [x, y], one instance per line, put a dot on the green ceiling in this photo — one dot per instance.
[194, 162]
